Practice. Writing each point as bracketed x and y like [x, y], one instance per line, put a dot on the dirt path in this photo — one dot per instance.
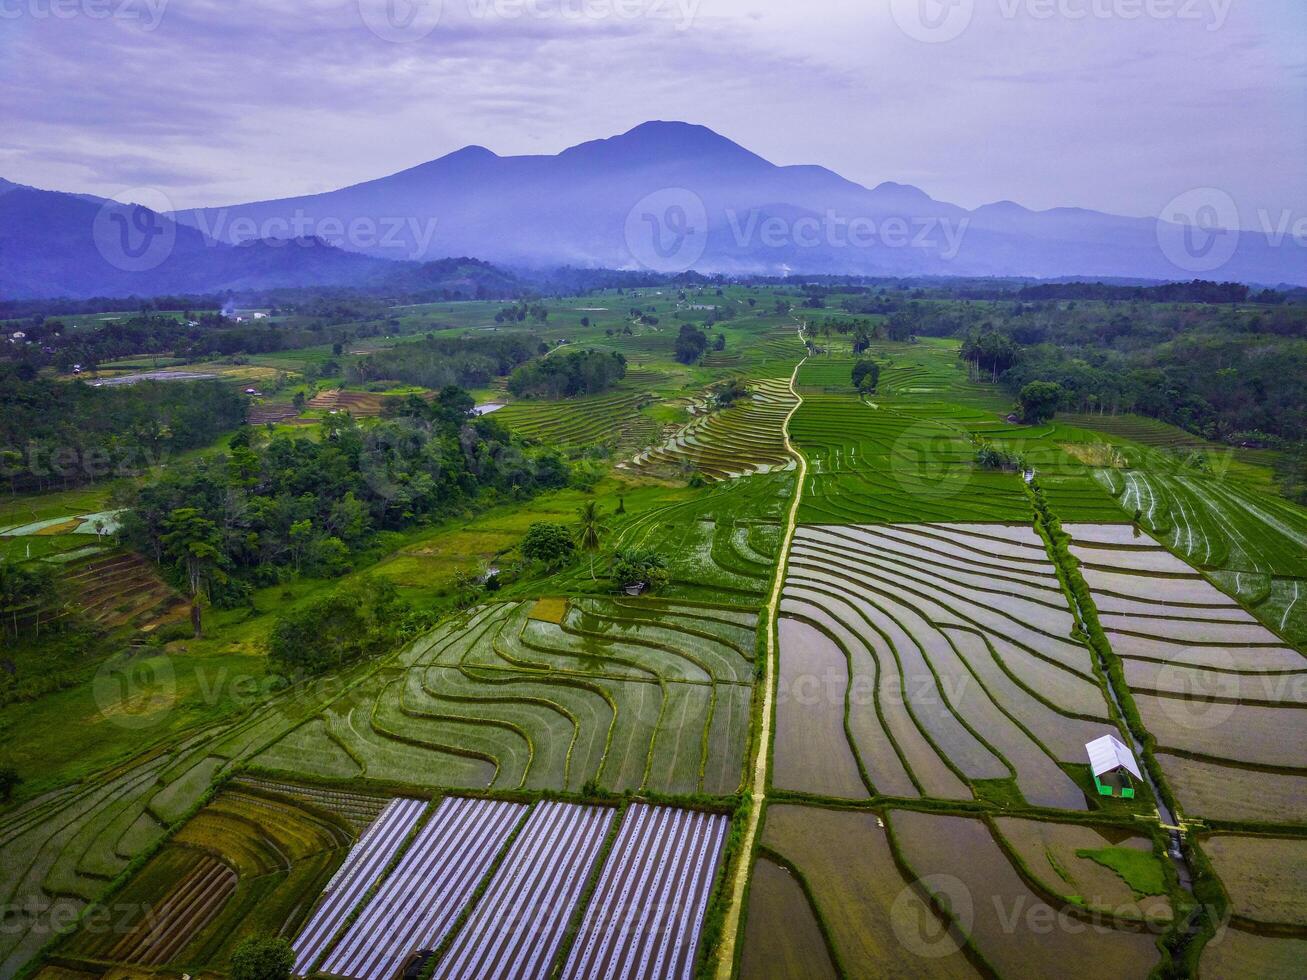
[758, 793]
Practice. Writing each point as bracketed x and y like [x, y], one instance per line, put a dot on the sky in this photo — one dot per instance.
[1117, 105]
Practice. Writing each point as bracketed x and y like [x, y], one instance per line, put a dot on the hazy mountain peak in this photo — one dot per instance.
[473, 151]
[660, 141]
[1004, 207]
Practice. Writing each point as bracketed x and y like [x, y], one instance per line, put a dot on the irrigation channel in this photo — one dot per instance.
[758, 793]
[1166, 819]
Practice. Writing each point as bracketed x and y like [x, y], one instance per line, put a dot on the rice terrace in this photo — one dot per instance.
[642, 550]
[815, 701]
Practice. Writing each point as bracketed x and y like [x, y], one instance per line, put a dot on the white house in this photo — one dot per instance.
[1108, 757]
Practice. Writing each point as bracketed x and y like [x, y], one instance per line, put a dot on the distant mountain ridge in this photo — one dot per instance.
[666, 196]
[575, 208]
[68, 245]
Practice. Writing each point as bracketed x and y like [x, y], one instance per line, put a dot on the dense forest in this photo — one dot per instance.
[435, 362]
[564, 375]
[251, 516]
[56, 435]
[1232, 374]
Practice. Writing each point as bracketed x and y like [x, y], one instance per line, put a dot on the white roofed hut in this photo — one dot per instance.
[1112, 765]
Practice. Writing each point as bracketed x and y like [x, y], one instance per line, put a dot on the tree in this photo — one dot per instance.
[193, 542]
[731, 392]
[691, 343]
[9, 781]
[639, 567]
[866, 376]
[262, 958]
[1039, 401]
[357, 620]
[589, 530]
[549, 544]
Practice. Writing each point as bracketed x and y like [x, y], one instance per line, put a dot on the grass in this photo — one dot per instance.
[1139, 869]
[560, 686]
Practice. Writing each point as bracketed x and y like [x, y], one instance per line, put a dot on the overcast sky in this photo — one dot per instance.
[1118, 105]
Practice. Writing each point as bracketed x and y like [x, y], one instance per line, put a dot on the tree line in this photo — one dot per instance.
[57, 434]
[265, 511]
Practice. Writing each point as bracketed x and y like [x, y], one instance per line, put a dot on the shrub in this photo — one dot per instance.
[262, 958]
[361, 619]
[549, 544]
[639, 566]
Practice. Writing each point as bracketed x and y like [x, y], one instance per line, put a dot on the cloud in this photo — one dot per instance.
[231, 100]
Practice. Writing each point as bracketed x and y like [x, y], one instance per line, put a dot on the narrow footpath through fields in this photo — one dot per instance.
[758, 793]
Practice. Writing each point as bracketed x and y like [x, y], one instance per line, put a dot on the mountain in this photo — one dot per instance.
[717, 207]
[55, 244]
[666, 196]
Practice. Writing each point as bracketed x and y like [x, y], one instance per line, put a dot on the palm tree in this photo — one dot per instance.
[589, 530]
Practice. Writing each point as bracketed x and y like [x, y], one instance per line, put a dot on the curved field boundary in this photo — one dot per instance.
[64, 849]
[1217, 691]
[641, 694]
[646, 914]
[958, 861]
[959, 647]
[737, 441]
[614, 416]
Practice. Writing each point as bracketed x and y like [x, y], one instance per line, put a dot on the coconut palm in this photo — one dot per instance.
[590, 528]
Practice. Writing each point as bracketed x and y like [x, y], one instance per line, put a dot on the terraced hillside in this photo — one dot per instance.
[945, 663]
[612, 417]
[60, 851]
[116, 588]
[1223, 696]
[1250, 543]
[244, 864]
[622, 693]
[741, 440]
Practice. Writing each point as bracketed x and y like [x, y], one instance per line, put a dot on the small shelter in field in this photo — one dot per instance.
[1113, 764]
